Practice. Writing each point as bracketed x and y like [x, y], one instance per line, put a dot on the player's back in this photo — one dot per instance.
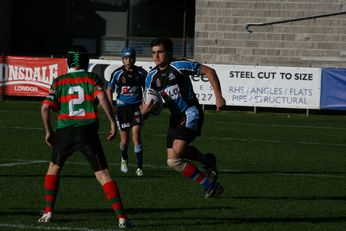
[75, 98]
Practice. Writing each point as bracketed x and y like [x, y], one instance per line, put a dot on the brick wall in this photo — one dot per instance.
[220, 36]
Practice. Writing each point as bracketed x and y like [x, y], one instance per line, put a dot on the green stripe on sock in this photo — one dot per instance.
[114, 200]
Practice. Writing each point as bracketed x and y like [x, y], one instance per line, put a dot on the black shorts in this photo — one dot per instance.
[84, 139]
[185, 126]
[128, 116]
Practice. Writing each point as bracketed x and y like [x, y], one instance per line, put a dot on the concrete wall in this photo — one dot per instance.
[221, 38]
[5, 25]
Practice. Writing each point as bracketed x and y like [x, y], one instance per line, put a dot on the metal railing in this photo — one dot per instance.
[248, 25]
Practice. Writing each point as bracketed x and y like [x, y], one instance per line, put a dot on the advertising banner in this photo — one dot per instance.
[264, 86]
[333, 90]
[2, 74]
[29, 76]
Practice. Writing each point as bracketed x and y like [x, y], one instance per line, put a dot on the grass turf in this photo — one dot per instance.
[280, 172]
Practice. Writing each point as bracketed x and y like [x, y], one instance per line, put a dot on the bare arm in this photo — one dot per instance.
[109, 112]
[215, 83]
[110, 97]
[109, 94]
[45, 115]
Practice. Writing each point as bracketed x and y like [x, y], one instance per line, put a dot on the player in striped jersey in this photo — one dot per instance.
[172, 80]
[73, 96]
[128, 82]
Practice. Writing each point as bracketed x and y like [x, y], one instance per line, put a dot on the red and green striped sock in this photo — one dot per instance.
[112, 193]
[51, 185]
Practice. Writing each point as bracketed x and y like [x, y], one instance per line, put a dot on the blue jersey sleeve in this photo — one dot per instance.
[113, 83]
[187, 67]
[143, 73]
[149, 78]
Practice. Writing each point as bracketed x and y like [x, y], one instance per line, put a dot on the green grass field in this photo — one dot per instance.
[280, 172]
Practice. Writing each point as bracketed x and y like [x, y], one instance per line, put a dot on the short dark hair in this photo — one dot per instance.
[165, 42]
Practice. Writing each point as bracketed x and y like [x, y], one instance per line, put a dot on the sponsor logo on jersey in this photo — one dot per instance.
[173, 92]
[171, 76]
[125, 90]
[123, 79]
[158, 82]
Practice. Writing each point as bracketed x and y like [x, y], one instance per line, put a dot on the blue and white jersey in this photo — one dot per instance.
[128, 85]
[174, 84]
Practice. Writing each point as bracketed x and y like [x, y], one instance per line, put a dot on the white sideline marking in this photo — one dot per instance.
[21, 128]
[23, 162]
[28, 227]
[272, 141]
[17, 162]
[280, 125]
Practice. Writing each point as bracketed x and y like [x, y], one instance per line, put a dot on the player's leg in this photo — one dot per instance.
[124, 147]
[90, 145]
[124, 120]
[60, 152]
[138, 148]
[187, 168]
[182, 131]
[51, 186]
[208, 161]
[111, 190]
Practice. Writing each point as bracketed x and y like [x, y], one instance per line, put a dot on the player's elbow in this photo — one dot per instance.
[208, 71]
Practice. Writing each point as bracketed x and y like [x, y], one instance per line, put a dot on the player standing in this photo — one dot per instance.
[73, 97]
[171, 79]
[128, 82]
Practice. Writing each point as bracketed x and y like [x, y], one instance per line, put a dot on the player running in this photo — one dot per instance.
[73, 97]
[171, 79]
[128, 82]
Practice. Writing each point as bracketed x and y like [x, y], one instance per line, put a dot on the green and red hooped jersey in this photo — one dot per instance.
[73, 96]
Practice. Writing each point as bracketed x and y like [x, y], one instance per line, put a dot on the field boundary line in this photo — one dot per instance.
[235, 171]
[279, 125]
[36, 227]
[23, 162]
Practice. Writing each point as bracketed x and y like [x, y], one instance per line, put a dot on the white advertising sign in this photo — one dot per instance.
[264, 86]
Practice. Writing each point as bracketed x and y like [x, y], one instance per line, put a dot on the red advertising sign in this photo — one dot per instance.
[29, 76]
[2, 71]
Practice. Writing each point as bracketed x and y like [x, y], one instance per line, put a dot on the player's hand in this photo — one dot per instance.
[147, 108]
[49, 138]
[112, 132]
[220, 103]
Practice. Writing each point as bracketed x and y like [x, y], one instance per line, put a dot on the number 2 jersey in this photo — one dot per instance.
[174, 85]
[73, 96]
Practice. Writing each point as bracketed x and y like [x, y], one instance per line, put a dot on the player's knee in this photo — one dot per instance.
[103, 176]
[176, 164]
[138, 148]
